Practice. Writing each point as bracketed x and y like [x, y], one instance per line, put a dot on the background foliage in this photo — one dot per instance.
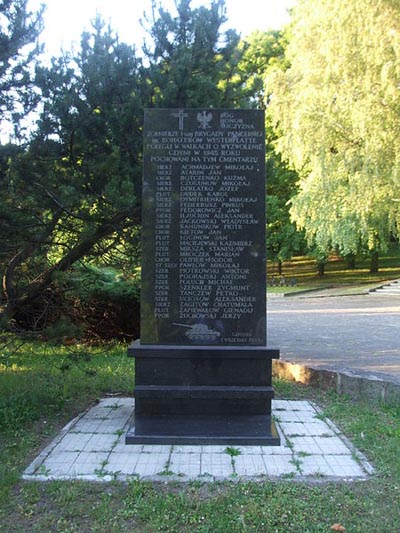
[70, 192]
[335, 109]
[70, 195]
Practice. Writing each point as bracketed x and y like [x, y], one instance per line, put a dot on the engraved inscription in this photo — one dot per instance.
[204, 247]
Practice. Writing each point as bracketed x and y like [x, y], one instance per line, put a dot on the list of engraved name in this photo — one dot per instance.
[203, 180]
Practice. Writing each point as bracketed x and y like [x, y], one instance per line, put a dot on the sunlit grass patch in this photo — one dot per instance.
[303, 269]
[38, 379]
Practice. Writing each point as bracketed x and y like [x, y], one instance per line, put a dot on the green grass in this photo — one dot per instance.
[40, 380]
[38, 394]
[336, 271]
[44, 386]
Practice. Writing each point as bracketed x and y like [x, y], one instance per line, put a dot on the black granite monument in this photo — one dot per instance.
[203, 369]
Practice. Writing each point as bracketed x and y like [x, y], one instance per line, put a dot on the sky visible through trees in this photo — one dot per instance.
[65, 21]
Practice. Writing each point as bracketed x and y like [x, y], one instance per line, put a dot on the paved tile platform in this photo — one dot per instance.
[92, 447]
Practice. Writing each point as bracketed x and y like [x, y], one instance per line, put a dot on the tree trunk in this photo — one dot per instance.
[351, 261]
[374, 265]
[321, 268]
[279, 267]
[7, 315]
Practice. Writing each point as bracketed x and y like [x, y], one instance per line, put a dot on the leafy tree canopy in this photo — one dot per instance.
[262, 52]
[336, 111]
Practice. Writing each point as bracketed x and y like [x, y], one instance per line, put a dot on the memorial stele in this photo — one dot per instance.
[202, 365]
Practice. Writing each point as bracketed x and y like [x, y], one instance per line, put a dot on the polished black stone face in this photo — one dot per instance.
[203, 269]
[203, 395]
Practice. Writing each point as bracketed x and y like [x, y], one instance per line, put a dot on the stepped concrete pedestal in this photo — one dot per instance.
[203, 395]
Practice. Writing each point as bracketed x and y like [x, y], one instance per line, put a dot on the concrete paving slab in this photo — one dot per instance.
[123, 463]
[217, 465]
[210, 448]
[89, 463]
[316, 466]
[186, 464]
[311, 429]
[250, 465]
[92, 447]
[283, 449]
[280, 466]
[153, 463]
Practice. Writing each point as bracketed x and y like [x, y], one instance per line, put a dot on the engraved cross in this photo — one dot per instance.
[181, 115]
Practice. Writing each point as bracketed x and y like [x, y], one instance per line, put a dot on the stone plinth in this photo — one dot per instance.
[203, 395]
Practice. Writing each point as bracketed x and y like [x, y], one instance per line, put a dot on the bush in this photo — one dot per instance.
[87, 303]
[102, 301]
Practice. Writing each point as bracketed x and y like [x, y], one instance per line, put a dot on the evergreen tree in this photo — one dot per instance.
[192, 64]
[73, 195]
[19, 31]
[75, 192]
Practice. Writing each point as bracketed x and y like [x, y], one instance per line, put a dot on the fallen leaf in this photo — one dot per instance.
[338, 527]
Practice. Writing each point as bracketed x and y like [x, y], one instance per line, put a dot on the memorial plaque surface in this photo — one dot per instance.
[203, 269]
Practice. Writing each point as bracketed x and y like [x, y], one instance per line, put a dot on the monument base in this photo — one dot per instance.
[204, 429]
[203, 395]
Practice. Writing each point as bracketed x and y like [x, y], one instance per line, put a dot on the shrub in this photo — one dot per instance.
[102, 301]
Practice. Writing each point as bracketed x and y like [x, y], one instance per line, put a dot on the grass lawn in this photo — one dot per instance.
[337, 272]
[43, 387]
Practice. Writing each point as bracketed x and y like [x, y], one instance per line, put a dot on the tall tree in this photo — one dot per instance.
[264, 51]
[19, 31]
[192, 63]
[283, 238]
[336, 111]
[75, 192]
[261, 51]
